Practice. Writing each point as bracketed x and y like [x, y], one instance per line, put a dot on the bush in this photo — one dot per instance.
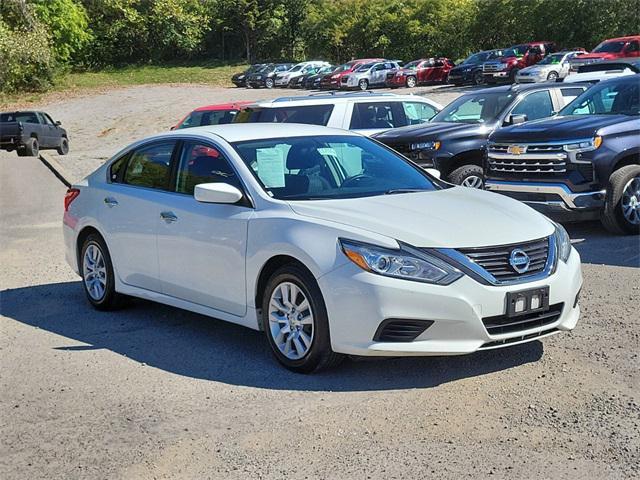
[26, 59]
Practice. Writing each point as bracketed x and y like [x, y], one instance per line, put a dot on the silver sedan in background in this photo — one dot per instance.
[549, 69]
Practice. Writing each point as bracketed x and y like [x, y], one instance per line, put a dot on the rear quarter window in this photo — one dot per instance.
[308, 114]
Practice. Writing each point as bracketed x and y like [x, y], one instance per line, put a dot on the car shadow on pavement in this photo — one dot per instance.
[599, 247]
[196, 346]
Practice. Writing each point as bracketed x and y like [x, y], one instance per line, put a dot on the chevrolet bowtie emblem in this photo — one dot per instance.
[516, 149]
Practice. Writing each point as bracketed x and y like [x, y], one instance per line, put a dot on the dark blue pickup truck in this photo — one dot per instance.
[582, 163]
[29, 132]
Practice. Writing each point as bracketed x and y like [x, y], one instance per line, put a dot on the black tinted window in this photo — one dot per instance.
[201, 163]
[116, 171]
[24, 117]
[208, 117]
[309, 114]
[377, 115]
[150, 166]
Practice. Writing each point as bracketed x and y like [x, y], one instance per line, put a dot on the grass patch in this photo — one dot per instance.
[214, 74]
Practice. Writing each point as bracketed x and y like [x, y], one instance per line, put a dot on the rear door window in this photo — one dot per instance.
[376, 115]
[150, 166]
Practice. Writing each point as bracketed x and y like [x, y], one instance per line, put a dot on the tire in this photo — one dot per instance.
[470, 176]
[100, 270]
[411, 82]
[302, 356]
[363, 84]
[512, 75]
[552, 77]
[478, 78]
[21, 152]
[63, 149]
[269, 83]
[31, 147]
[623, 195]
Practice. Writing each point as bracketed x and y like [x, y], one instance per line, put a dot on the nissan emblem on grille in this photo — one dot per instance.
[519, 260]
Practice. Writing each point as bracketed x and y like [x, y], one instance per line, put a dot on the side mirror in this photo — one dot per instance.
[173, 127]
[516, 119]
[217, 193]
[434, 172]
[58, 123]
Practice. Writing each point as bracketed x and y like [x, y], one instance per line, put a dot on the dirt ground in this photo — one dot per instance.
[155, 392]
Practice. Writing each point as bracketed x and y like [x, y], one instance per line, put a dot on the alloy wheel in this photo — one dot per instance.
[631, 201]
[94, 272]
[472, 181]
[363, 84]
[291, 322]
[411, 82]
[552, 77]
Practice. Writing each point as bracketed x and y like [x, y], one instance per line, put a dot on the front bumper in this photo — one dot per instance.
[358, 302]
[397, 81]
[500, 76]
[549, 197]
[530, 78]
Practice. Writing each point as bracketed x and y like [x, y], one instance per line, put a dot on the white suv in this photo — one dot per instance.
[373, 74]
[366, 112]
[284, 79]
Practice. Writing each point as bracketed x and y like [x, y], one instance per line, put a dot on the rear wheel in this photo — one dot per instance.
[411, 82]
[470, 176]
[31, 147]
[621, 213]
[21, 152]
[363, 84]
[294, 318]
[552, 77]
[98, 276]
[63, 149]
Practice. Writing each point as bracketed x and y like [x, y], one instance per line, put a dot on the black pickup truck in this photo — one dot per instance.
[583, 163]
[29, 132]
[454, 140]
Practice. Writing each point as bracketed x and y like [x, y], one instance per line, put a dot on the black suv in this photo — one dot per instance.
[470, 70]
[454, 140]
[239, 79]
[266, 76]
[582, 163]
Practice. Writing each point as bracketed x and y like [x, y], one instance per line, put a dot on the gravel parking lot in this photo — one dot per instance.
[155, 392]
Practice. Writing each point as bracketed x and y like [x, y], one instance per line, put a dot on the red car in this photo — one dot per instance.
[515, 59]
[623, 47]
[332, 80]
[211, 115]
[418, 72]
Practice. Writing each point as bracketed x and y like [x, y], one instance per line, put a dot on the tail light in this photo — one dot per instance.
[69, 197]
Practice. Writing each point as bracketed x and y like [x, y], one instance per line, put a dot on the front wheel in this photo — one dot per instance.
[98, 276]
[512, 75]
[269, 83]
[411, 82]
[63, 148]
[470, 176]
[621, 213]
[552, 77]
[294, 318]
[478, 78]
[363, 84]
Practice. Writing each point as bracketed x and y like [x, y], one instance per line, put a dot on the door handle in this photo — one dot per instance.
[110, 201]
[169, 217]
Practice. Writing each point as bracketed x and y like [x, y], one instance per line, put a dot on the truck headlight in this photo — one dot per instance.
[404, 263]
[563, 243]
[435, 145]
[584, 146]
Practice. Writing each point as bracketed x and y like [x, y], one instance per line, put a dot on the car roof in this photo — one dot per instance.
[240, 132]
[518, 87]
[336, 97]
[222, 106]
[622, 39]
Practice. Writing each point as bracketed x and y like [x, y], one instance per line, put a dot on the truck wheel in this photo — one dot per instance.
[470, 176]
[552, 77]
[363, 84]
[31, 147]
[512, 75]
[63, 149]
[478, 78]
[411, 82]
[21, 152]
[621, 213]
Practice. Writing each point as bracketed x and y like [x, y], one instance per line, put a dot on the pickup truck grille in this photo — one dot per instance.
[495, 260]
[491, 67]
[527, 159]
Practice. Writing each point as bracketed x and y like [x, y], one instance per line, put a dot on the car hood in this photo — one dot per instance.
[429, 131]
[596, 56]
[454, 217]
[557, 128]
[537, 68]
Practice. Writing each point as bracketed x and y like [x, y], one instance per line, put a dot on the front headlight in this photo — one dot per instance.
[584, 146]
[563, 243]
[435, 145]
[405, 263]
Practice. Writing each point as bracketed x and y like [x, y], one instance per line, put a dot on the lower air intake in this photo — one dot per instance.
[397, 330]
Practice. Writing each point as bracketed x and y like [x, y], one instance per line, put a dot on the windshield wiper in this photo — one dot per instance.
[394, 191]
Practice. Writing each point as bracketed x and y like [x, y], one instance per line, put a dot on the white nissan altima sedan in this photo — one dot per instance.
[326, 240]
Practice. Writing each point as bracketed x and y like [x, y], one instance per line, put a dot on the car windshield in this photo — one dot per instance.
[474, 58]
[609, 47]
[476, 108]
[200, 118]
[296, 68]
[365, 67]
[331, 167]
[554, 59]
[255, 68]
[617, 98]
[413, 65]
[517, 51]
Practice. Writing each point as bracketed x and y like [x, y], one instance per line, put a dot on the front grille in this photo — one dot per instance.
[532, 159]
[501, 324]
[495, 260]
[491, 67]
[396, 330]
[345, 79]
[522, 338]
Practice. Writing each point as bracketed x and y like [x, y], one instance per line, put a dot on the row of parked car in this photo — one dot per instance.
[523, 63]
